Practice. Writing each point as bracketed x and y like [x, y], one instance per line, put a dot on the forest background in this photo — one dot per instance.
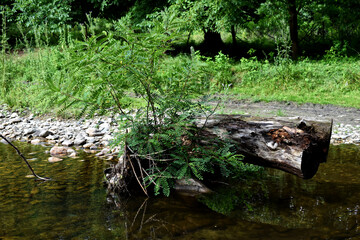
[287, 50]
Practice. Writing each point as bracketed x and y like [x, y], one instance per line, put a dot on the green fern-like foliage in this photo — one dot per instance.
[108, 69]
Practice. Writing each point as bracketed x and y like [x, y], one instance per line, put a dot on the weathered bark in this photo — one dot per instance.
[293, 145]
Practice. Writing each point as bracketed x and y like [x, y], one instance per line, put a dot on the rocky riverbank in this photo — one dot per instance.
[95, 134]
[92, 135]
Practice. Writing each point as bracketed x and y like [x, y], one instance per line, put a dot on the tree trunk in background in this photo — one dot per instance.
[293, 23]
[212, 41]
[233, 35]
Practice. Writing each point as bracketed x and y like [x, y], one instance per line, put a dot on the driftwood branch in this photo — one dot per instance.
[25, 160]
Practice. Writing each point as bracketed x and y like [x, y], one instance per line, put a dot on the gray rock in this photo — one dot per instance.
[104, 127]
[93, 132]
[91, 140]
[29, 131]
[15, 120]
[88, 145]
[191, 186]
[107, 137]
[54, 159]
[14, 115]
[52, 137]
[80, 141]
[44, 133]
[67, 143]
[94, 147]
[35, 141]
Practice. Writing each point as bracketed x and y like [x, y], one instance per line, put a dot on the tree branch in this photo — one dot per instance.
[26, 161]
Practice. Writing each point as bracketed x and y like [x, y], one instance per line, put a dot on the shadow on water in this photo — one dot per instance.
[76, 206]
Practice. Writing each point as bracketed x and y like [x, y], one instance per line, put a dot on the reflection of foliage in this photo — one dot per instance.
[225, 199]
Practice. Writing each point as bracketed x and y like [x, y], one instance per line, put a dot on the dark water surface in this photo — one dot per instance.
[75, 204]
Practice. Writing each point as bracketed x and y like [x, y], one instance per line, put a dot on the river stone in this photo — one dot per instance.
[107, 137]
[104, 127]
[88, 145]
[52, 137]
[14, 115]
[44, 133]
[29, 131]
[67, 143]
[103, 152]
[80, 141]
[57, 151]
[71, 153]
[35, 141]
[94, 147]
[93, 132]
[191, 186]
[54, 159]
[15, 120]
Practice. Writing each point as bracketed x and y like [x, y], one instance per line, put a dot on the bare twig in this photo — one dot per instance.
[26, 161]
[136, 176]
[138, 211]
[212, 112]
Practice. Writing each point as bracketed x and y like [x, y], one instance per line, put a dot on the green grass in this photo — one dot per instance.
[323, 82]
[330, 81]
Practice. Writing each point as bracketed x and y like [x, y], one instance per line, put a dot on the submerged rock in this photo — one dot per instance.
[191, 186]
[54, 159]
[57, 151]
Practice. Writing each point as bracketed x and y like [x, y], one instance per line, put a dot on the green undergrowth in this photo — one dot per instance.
[334, 82]
[328, 81]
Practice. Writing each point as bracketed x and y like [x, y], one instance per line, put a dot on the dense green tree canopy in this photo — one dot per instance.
[303, 27]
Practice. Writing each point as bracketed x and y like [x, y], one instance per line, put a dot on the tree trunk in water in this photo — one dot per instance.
[293, 23]
[296, 146]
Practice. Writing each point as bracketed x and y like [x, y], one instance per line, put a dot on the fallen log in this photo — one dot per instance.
[294, 145]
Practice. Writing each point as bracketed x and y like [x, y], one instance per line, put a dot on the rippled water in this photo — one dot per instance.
[75, 205]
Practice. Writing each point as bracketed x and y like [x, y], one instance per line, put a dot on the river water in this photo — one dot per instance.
[75, 205]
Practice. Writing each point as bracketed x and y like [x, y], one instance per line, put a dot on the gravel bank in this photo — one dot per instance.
[92, 135]
[346, 128]
[95, 134]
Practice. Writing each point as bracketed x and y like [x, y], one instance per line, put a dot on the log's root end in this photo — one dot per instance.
[118, 177]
